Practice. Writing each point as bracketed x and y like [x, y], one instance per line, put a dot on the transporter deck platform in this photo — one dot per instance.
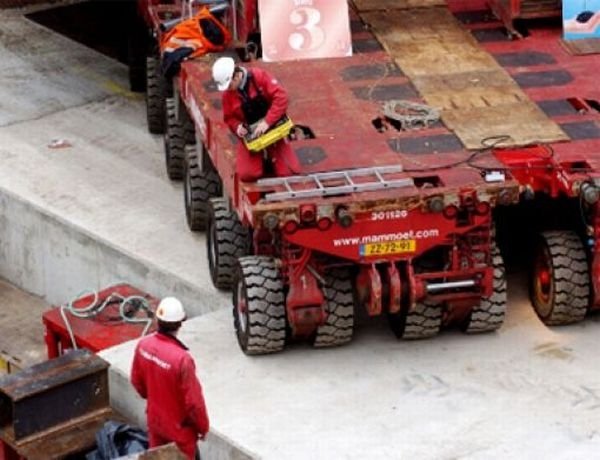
[492, 92]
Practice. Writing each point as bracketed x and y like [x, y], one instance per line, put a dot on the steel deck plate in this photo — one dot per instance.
[340, 98]
[453, 73]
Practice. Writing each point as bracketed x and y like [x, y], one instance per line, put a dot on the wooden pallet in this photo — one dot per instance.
[478, 98]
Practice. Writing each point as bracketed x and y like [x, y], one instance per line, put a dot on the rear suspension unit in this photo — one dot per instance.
[305, 301]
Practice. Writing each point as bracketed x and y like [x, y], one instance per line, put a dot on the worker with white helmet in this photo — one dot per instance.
[164, 373]
[254, 97]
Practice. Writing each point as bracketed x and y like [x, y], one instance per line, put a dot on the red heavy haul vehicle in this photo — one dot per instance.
[393, 211]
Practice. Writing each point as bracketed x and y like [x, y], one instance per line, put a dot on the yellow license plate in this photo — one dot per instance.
[387, 248]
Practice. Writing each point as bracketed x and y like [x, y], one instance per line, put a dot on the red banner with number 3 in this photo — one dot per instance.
[304, 29]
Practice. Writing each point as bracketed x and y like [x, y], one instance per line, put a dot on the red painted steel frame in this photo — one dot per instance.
[509, 10]
[155, 12]
[8, 453]
[96, 333]
[340, 98]
[340, 109]
[560, 169]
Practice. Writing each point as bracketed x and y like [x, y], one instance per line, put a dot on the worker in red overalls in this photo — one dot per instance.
[254, 97]
[164, 373]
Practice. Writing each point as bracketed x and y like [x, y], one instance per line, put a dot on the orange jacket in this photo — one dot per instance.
[203, 33]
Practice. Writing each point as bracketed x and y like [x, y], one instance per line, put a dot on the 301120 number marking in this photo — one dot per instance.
[389, 215]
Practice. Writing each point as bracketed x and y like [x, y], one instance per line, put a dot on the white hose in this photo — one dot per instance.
[93, 309]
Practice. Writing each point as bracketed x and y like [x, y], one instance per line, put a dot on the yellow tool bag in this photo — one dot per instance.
[278, 131]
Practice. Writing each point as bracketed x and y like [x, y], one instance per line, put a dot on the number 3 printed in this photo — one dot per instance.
[308, 36]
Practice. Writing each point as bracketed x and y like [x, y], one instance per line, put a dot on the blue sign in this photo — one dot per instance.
[581, 19]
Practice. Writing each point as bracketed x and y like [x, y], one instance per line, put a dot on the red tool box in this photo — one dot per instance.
[96, 321]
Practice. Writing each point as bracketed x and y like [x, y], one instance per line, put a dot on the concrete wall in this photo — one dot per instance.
[56, 260]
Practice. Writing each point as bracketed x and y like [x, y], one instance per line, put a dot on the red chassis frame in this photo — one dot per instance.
[456, 201]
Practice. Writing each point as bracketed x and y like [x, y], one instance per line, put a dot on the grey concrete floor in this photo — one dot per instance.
[525, 392]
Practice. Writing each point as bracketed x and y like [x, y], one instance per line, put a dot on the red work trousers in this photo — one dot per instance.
[189, 448]
[249, 165]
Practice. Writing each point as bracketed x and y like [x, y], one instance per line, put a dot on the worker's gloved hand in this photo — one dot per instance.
[241, 130]
[261, 128]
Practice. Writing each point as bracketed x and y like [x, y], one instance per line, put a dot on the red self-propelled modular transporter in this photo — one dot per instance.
[394, 212]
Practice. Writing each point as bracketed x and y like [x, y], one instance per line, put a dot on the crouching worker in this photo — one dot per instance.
[252, 97]
[164, 373]
[202, 34]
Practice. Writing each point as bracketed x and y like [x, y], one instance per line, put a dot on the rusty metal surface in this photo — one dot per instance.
[49, 374]
[75, 436]
[50, 393]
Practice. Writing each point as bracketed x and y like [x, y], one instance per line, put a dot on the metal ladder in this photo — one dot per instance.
[333, 183]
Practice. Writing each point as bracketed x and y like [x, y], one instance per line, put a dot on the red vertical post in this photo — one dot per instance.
[7, 452]
[51, 342]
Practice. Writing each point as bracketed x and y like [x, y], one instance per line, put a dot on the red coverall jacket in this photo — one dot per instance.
[164, 373]
[249, 166]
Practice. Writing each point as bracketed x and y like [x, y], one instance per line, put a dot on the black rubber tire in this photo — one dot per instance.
[174, 143]
[489, 314]
[226, 240]
[199, 185]
[422, 322]
[339, 304]
[259, 306]
[565, 295]
[156, 95]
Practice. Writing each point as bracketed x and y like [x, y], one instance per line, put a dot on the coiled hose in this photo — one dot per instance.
[94, 309]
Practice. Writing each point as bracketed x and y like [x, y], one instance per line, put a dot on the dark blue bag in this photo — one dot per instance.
[116, 439]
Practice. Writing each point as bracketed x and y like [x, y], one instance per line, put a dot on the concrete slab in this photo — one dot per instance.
[100, 210]
[525, 392]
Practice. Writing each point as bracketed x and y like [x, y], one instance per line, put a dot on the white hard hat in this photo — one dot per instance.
[222, 71]
[170, 310]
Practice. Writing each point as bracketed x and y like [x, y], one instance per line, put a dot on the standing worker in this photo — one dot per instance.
[254, 97]
[164, 373]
